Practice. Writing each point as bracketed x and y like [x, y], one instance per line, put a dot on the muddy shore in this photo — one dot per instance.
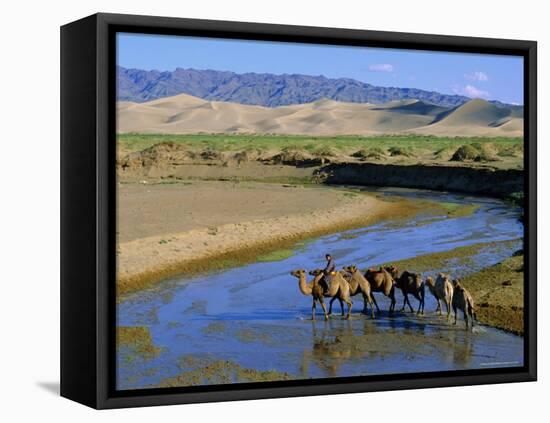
[178, 244]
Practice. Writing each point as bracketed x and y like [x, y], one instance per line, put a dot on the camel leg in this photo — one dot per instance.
[392, 297]
[448, 306]
[324, 308]
[330, 305]
[349, 303]
[409, 303]
[404, 302]
[466, 316]
[420, 303]
[454, 310]
[375, 303]
[371, 306]
[313, 311]
[439, 306]
[367, 301]
[341, 306]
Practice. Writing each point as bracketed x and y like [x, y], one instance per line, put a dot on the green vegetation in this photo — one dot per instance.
[458, 210]
[485, 152]
[138, 339]
[222, 372]
[326, 146]
[375, 153]
[276, 255]
[517, 198]
[401, 151]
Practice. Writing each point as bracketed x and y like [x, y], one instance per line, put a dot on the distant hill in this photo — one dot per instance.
[266, 89]
[185, 114]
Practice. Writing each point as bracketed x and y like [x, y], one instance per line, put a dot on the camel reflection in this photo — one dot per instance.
[463, 348]
[331, 347]
[337, 345]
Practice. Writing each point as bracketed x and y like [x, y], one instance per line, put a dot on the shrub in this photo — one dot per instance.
[401, 151]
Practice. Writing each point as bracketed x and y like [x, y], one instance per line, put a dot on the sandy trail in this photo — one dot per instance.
[188, 226]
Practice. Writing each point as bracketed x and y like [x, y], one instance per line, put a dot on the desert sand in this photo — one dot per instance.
[231, 223]
[185, 114]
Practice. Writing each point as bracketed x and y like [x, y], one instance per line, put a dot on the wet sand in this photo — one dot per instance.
[168, 229]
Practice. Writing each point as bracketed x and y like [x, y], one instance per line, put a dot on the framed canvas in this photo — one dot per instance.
[256, 211]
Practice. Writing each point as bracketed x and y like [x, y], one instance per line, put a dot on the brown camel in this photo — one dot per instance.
[313, 289]
[442, 290]
[316, 290]
[358, 284]
[409, 283]
[339, 289]
[462, 300]
[381, 281]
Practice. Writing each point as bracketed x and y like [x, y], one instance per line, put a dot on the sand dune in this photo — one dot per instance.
[185, 114]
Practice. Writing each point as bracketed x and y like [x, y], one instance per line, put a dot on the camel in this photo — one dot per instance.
[316, 290]
[381, 281]
[409, 283]
[462, 300]
[358, 284]
[442, 290]
[339, 289]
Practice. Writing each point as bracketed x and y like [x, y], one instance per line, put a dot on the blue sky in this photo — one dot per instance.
[486, 76]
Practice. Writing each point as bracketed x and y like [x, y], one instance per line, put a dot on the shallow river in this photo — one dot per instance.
[255, 315]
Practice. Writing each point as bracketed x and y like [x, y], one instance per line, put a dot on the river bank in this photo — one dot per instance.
[481, 166]
[214, 225]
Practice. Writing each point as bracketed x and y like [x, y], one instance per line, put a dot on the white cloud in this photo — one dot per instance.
[476, 76]
[381, 67]
[470, 91]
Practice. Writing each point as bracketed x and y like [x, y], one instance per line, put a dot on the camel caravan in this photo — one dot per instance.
[343, 284]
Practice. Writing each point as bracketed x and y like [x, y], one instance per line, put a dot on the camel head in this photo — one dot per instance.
[393, 271]
[350, 269]
[315, 272]
[456, 285]
[430, 281]
[298, 273]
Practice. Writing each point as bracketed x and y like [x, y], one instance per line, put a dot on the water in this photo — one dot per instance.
[256, 317]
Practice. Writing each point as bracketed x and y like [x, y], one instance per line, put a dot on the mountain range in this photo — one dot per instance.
[269, 90]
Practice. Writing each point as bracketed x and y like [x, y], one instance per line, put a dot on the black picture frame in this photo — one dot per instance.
[88, 209]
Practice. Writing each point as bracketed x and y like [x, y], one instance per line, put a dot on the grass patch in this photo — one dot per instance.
[277, 255]
[401, 151]
[138, 339]
[458, 210]
[478, 152]
[517, 198]
[374, 144]
[222, 372]
[375, 153]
